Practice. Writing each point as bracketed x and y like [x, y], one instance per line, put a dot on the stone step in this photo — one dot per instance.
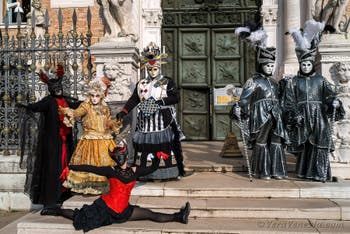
[258, 208]
[209, 184]
[36, 224]
[205, 157]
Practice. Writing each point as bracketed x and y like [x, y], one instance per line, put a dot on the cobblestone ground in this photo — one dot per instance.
[7, 217]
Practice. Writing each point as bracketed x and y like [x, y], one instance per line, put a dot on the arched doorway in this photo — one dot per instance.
[203, 55]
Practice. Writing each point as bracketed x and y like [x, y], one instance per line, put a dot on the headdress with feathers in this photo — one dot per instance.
[256, 36]
[52, 75]
[307, 40]
[152, 56]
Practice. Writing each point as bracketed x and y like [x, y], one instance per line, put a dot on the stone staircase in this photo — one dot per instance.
[222, 201]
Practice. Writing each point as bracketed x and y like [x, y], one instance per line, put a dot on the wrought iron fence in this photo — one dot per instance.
[21, 57]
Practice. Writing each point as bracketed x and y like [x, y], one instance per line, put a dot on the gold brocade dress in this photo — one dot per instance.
[92, 148]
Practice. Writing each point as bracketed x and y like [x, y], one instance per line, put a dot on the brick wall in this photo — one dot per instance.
[96, 22]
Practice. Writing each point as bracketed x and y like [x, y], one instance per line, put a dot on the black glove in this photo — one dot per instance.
[160, 102]
[120, 115]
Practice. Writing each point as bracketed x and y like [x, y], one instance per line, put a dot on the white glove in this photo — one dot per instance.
[336, 103]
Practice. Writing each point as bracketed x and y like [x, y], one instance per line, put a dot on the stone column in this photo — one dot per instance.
[334, 52]
[291, 14]
[269, 15]
[151, 22]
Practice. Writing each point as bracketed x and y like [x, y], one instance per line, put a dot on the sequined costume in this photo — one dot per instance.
[93, 147]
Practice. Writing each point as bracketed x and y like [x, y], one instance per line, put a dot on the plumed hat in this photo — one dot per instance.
[52, 75]
[256, 36]
[266, 55]
[307, 40]
[151, 56]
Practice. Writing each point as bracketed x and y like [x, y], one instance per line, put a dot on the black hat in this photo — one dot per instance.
[266, 55]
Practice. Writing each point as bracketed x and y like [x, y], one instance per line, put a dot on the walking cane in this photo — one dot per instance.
[245, 148]
[325, 168]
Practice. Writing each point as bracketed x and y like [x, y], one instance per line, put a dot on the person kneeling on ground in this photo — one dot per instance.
[114, 206]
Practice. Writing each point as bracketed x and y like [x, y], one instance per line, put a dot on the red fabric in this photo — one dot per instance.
[119, 193]
[64, 131]
[163, 155]
[64, 174]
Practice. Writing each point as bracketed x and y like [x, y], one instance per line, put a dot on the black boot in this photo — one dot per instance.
[51, 210]
[182, 216]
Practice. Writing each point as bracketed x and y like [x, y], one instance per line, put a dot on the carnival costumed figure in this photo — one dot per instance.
[260, 104]
[310, 100]
[157, 132]
[95, 141]
[114, 207]
[50, 153]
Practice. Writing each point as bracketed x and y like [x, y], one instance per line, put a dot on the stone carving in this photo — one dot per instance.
[118, 17]
[120, 89]
[332, 13]
[152, 18]
[269, 15]
[340, 73]
[39, 13]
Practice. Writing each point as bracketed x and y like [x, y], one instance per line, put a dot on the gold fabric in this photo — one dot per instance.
[92, 148]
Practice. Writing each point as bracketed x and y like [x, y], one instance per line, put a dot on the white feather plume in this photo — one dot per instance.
[309, 37]
[256, 38]
[298, 38]
[312, 31]
[241, 29]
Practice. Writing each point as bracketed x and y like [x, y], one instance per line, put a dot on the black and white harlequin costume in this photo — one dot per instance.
[157, 132]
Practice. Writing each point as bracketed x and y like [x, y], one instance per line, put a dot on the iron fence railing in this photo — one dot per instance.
[21, 58]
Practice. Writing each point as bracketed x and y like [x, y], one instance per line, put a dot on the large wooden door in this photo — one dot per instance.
[203, 55]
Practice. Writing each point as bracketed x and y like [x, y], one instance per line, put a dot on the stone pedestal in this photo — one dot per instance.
[333, 48]
[334, 65]
[122, 55]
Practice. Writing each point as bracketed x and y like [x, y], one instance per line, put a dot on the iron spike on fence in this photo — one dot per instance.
[74, 20]
[88, 16]
[60, 19]
[47, 22]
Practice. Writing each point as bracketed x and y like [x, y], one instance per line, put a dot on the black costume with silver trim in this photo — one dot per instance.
[260, 102]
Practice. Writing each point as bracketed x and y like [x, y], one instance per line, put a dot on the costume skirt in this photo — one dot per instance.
[153, 142]
[99, 214]
[90, 152]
